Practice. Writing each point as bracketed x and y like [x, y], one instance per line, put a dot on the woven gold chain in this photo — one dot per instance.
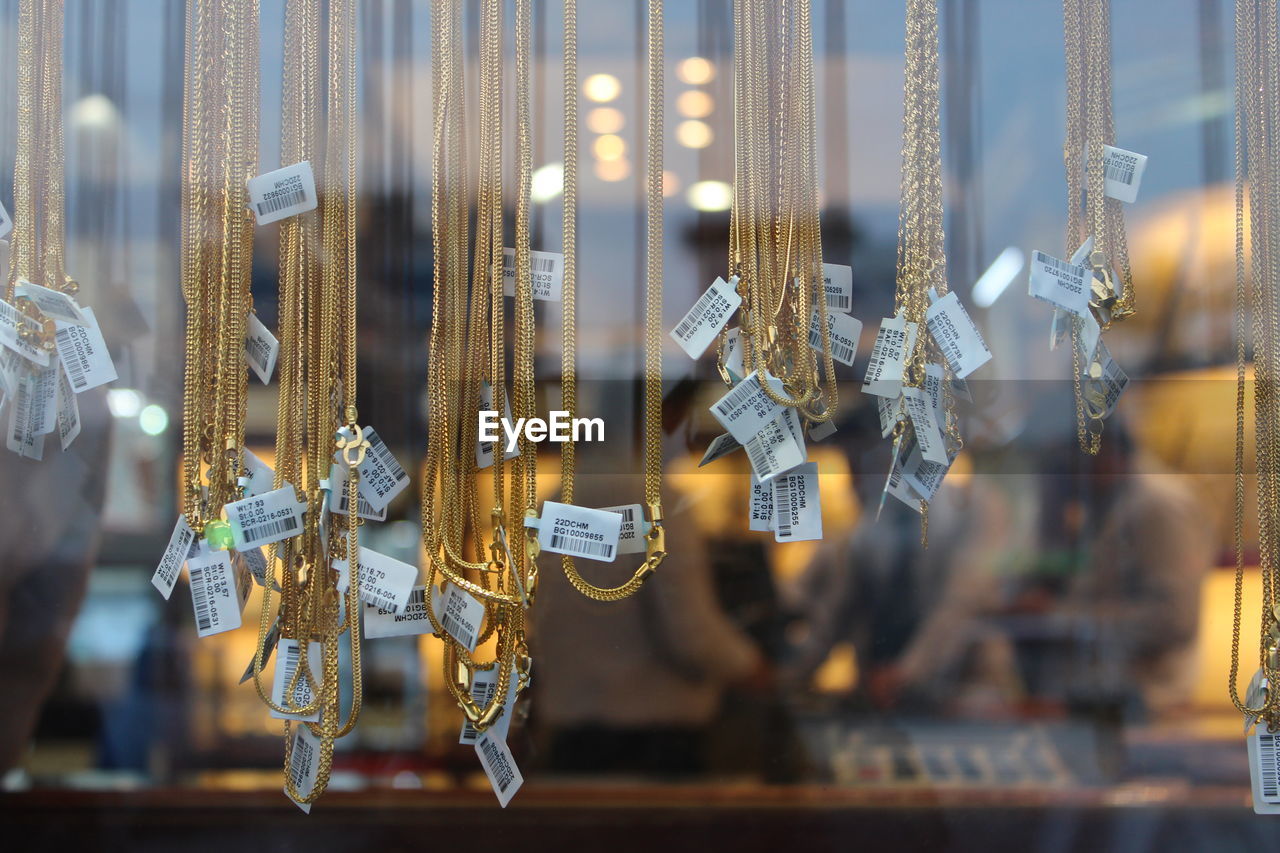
[655, 540]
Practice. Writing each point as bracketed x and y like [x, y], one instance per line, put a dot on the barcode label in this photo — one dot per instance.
[410, 621]
[175, 554]
[20, 437]
[797, 508]
[339, 501]
[733, 354]
[746, 408]
[837, 279]
[700, 325]
[891, 411]
[484, 449]
[10, 322]
[461, 615]
[956, 335]
[760, 506]
[1060, 283]
[260, 476]
[55, 305]
[304, 765]
[894, 342]
[254, 562]
[386, 583]
[546, 274]
[283, 193]
[1106, 390]
[484, 685]
[920, 409]
[84, 354]
[778, 447]
[1264, 770]
[68, 413]
[266, 518]
[895, 484]
[631, 534]
[381, 477]
[579, 531]
[721, 445]
[1123, 171]
[215, 592]
[843, 333]
[924, 477]
[290, 654]
[6, 224]
[260, 349]
[499, 766]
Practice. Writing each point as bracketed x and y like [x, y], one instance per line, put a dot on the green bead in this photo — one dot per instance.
[218, 535]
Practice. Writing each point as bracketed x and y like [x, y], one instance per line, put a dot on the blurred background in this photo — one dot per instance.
[1053, 668]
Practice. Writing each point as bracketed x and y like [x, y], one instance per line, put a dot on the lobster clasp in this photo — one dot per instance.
[655, 541]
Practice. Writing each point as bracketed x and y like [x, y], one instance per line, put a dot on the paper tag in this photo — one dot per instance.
[175, 554]
[797, 507]
[266, 518]
[484, 449]
[499, 766]
[1113, 380]
[10, 320]
[1090, 336]
[746, 409]
[547, 276]
[933, 380]
[338, 497]
[283, 193]
[461, 615]
[760, 505]
[843, 332]
[255, 563]
[84, 354]
[924, 477]
[381, 477]
[218, 593]
[260, 349]
[6, 224]
[721, 445]
[1059, 283]
[385, 582]
[956, 335]
[838, 282]
[822, 430]
[579, 531]
[1123, 173]
[304, 765]
[68, 413]
[303, 693]
[631, 533]
[896, 485]
[21, 437]
[894, 342]
[261, 478]
[55, 305]
[932, 445]
[699, 327]
[733, 350]
[410, 621]
[891, 410]
[44, 399]
[1264, 770]
[484, 685]
[778, 447]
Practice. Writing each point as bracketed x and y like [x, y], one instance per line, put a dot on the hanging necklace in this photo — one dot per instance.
[654, 536]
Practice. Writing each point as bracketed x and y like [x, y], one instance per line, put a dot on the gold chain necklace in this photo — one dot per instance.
[655, 539]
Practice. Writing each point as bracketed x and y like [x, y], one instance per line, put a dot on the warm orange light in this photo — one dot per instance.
[696, 71]
[609, 147]
[695, 104]
[612, 170]
[602, 88]
[605, 120]
[693, 134]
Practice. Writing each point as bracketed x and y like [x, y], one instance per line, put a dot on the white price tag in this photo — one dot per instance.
[68, 413]
[255, 563]
[385, 582]
[956, 335]
[484, 449]
[6, 224]
[287, 660]
[932, 445]
[699, 327]
[304, 765]
[760, 506]
[924, 477]
[838, 281]
[778, 447]
[499, 766]
[721, 445]
[84, 354]
[1059, 283]
[10, 321]
[260, 476]
[261, 349]
[733, 353]
[266, 518]
[283, 193]
[894, 342]
[797, 507]
[44, 399]
[1123, 173]
[933, 380]
[822, 430]
[1111, 383]
[410, 621]
[175, 554]
[338, 497]
[461, 615]
[1264, 770]
[631, 534]
[843, 332]
[218, 592]
[896, 485]
[381, 477]
[21, 436]
[891, 410]
[55, 305]
[746, 408]
[484, 685]
[547, 274]
[579, 531]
